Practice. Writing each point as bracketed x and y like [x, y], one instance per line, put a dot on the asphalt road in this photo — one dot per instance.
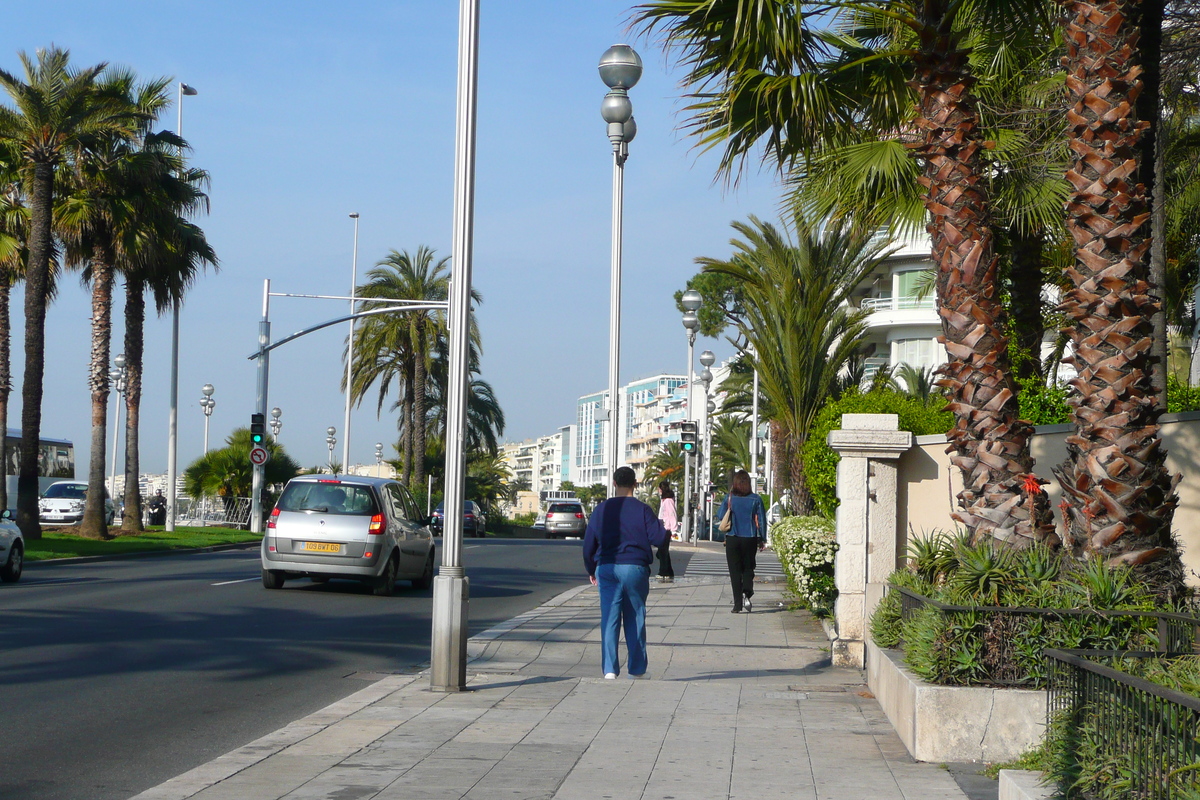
[115, 676]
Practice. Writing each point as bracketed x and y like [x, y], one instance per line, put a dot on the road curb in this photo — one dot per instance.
[216, 548]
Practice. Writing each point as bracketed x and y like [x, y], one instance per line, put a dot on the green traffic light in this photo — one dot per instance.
[257, 438]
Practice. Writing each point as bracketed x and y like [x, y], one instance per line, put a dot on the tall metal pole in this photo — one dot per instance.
[173, 414]
[754, 435]
[451, 588]
[116, 438]
[614, 319]
[350, 348]
[260, 404]
[687, 457]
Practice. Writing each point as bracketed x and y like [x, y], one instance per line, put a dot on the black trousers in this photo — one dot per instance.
[740, 553]
[664, 559]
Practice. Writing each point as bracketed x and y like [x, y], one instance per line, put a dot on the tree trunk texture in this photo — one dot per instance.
[418, 411]
[802, 499]
[1151, 174]
[135, 319]
[5, 381]
[406, 435]
[779, 463]
[1025, 293]
[1001, 499]
[94, 525]
[1119, 498]
[37, 285]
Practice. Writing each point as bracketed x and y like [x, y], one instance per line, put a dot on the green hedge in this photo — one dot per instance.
[820, 461]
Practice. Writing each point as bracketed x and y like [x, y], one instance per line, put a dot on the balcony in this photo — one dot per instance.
[897, 303]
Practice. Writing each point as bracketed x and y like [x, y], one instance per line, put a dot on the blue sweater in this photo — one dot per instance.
[745, 509]
[622, 530]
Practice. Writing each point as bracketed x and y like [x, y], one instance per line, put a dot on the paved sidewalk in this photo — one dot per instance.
[740, 706]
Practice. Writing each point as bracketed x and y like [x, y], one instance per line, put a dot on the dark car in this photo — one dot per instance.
[474, 520]
[565, 518]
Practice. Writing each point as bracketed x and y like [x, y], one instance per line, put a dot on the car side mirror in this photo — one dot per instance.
[6, 514]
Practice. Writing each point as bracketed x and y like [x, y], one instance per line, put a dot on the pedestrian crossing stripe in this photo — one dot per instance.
[766, 565]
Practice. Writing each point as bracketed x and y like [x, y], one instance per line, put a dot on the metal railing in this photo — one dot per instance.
[1173, 632]
[1144, 733]
[233, 512]
[896, 303]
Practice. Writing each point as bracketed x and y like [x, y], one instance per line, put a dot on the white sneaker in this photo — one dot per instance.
[746, 605]
[610, 676]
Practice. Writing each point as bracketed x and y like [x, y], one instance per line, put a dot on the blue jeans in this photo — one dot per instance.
[623, 592]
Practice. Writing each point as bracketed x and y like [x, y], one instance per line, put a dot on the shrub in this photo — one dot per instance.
[806, 546]
[820, 461]
[1181, 397]
[524, 520]
[976, 646]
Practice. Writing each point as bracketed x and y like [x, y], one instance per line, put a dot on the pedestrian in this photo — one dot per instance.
[618, 549]
[747, 535]
[670, 521]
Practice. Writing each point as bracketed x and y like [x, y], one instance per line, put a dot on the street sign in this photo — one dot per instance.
[259, 456]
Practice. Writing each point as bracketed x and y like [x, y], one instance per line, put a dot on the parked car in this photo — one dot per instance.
[12, 549]
[364, 529]
[474, 520]
[63, 502]
[565, 518]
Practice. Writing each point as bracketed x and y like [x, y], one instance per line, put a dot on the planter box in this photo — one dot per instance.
[954, 723]
[1023, 784]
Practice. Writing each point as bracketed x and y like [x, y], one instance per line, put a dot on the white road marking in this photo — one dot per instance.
[226, 583]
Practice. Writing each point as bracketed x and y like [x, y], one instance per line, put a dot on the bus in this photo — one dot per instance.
[56, 462]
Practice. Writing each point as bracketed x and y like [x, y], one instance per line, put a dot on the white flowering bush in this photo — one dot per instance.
[806, 546]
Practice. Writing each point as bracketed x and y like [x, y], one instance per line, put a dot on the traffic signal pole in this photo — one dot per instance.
[260, 405]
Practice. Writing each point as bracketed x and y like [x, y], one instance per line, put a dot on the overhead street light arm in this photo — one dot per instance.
[431, 306]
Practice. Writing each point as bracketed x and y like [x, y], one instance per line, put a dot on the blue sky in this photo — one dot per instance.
[308, 111]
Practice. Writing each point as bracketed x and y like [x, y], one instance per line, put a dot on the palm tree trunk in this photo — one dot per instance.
[802, 499]
[5, 383]
[94, 525]
[406, 435]
[1025, 290]
[135, 318]
[989, 442]
[418, 406]
[37, 285]
[1151, 175]
[1120, 498]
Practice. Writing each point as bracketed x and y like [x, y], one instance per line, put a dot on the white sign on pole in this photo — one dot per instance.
[259, 456]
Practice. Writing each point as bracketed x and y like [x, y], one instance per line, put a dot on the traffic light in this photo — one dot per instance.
[258, 429]
[687, 435]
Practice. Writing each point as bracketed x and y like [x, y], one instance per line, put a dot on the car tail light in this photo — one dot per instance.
[578, 515]
[376, 524]
[328, 480]
[271, 521]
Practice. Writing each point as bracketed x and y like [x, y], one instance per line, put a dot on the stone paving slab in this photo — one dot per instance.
[744, 706]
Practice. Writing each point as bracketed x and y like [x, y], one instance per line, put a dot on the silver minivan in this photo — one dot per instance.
[365, 529]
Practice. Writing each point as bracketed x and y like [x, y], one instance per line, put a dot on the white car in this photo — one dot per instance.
[63, 503]
[12, 549]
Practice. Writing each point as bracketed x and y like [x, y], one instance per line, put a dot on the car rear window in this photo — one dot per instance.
[328, 498]
[565, 508]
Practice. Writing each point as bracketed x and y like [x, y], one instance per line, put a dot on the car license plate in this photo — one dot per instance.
[566, 524]
[322, 547]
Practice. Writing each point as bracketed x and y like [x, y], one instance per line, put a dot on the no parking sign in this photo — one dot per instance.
[259, 456]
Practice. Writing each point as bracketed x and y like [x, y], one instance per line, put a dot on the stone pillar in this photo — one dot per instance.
[869, 446]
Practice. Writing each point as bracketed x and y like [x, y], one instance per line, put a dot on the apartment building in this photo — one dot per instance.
[645, 405]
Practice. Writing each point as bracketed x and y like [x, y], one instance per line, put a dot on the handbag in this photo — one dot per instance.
[726, 523]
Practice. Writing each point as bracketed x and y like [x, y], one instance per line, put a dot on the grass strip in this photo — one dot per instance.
[56, 544]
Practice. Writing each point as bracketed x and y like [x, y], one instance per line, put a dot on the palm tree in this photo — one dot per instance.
[1120, 495]
[58, 111]
[102, 223]
[665, 465]
[14, 227]
[227, 474]
[763, 79]
[798, 322]
[730, 447]
[399, 345]
[172, 258]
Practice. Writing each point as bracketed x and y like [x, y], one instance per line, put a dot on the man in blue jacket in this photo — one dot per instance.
[618, 549]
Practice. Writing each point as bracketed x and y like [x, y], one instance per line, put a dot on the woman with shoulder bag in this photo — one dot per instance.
[744, 523]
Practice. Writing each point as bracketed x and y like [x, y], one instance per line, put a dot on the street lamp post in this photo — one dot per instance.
[451, 589]
[350, 346]
[276, 423]
[173, 415]
[331, 440]
[117, 377]
[620, 69]
[208, 404]
[754, 435]
[705, 475]
[691, 301]
[379, 459]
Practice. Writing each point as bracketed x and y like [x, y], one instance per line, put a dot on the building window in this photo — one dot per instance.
[920, 353]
